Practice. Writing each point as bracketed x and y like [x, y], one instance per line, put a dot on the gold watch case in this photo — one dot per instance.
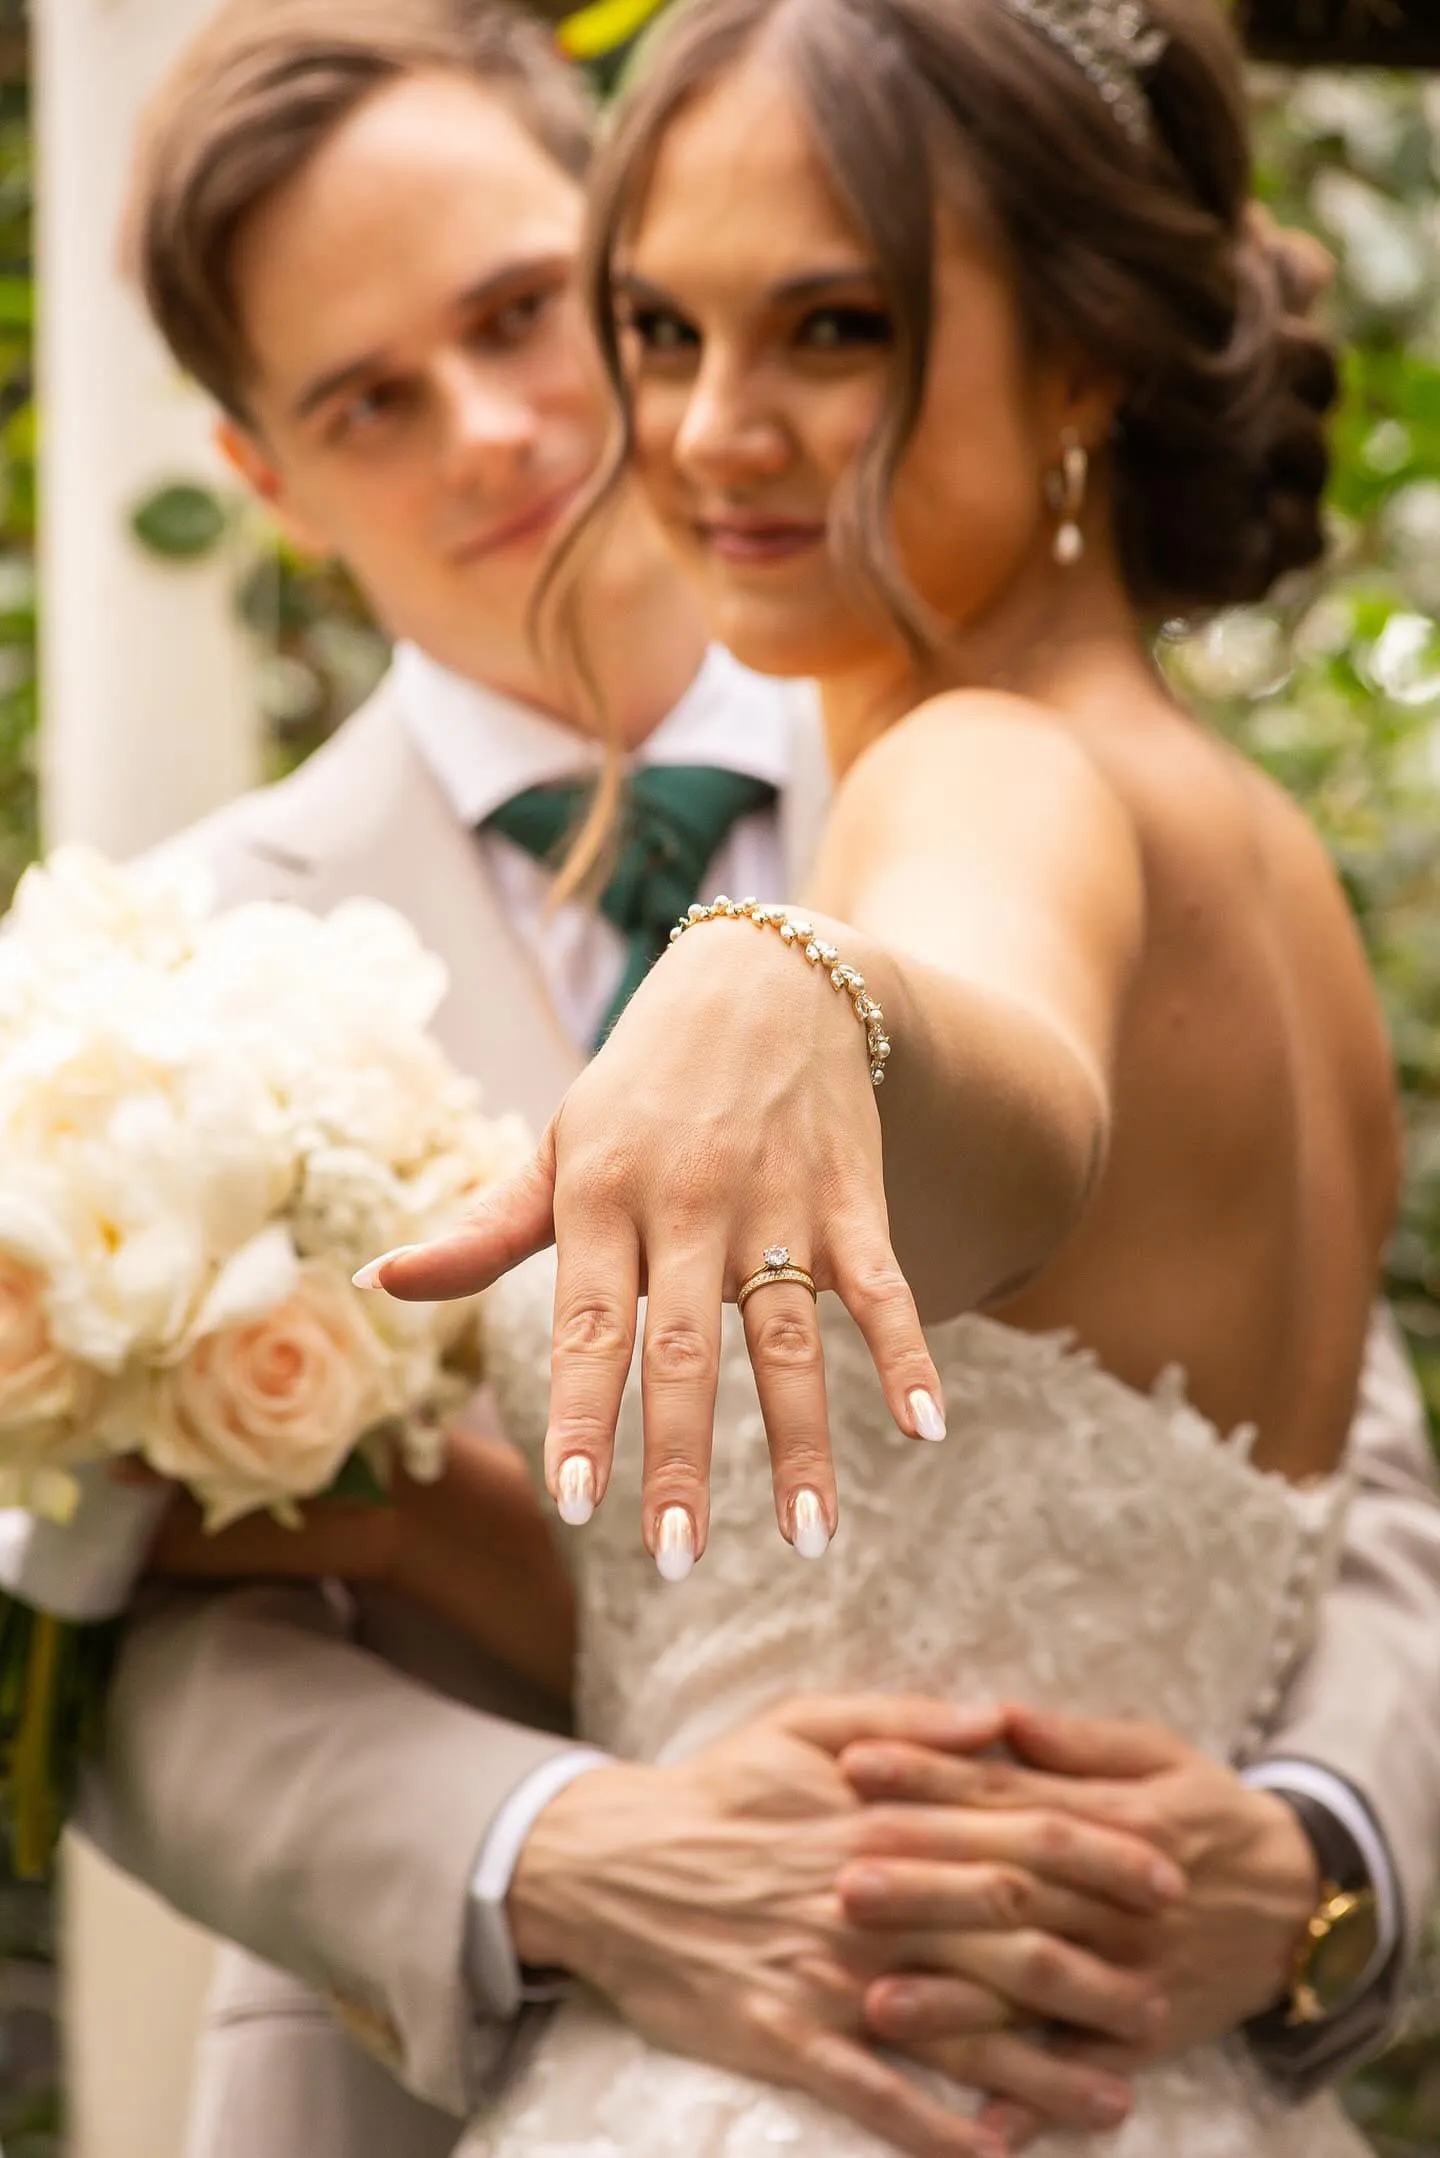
[1339, 1943]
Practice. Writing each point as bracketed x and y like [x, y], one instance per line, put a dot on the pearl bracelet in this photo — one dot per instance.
[794, 930]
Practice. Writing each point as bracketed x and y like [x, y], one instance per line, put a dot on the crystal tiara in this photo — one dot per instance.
[1111, 42]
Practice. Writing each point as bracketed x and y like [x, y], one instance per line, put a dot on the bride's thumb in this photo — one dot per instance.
[509, 1224]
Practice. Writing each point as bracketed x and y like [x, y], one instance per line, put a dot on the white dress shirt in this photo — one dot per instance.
[483, 749]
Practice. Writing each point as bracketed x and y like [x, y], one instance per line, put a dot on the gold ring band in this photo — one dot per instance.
[777, 1266]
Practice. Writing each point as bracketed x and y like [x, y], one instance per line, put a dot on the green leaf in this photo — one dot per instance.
[358, 1485]
[17, 304]
[181, 522]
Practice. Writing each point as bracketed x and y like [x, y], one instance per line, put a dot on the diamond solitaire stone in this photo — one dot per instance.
[776, 1256]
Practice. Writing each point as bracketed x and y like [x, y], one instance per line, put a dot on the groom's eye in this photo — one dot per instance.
[507, 326]
[368, 409]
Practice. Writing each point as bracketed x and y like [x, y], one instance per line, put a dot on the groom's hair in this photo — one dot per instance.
[258, 93]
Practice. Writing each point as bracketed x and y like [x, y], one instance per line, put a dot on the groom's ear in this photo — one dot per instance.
[245, 453]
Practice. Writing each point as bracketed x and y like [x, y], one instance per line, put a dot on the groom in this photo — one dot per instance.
[356, 223]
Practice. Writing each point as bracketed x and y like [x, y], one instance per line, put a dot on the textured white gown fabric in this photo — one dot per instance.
[1073, 1543]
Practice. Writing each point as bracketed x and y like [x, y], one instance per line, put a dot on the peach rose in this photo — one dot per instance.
[38, 1382]
[264, 1412]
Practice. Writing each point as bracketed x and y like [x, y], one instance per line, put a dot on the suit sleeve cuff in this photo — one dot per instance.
[88, 1567]
[497, 1984]
[1307, 1779]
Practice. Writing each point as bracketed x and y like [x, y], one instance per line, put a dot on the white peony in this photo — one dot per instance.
[205, 1124]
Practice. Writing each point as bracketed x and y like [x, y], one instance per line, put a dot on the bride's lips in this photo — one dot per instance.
[536, 521]
[751, 541]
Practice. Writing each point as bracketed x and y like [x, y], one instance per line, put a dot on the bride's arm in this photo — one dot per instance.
[986, 882]
[992, 890]
[473, 1547]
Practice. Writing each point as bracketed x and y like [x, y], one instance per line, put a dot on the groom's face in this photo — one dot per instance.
[425, 398]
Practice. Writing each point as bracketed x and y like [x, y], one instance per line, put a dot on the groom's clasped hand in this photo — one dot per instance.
[1013, 1915]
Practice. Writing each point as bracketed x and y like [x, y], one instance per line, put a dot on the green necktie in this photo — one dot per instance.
[673, 820]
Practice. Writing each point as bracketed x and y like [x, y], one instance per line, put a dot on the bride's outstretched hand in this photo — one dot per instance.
[723, 1146]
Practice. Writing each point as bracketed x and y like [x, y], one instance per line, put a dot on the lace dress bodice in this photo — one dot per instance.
[1073, 1542]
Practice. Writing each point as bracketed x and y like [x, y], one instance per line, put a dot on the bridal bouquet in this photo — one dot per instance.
[207, 1123]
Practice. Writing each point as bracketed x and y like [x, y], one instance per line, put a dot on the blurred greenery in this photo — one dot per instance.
[1334, 687]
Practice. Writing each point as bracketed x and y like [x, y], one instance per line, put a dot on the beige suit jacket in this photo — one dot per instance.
[393, 1717]
[320, 1799]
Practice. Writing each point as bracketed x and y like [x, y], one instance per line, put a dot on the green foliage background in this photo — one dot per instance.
[1334, 687]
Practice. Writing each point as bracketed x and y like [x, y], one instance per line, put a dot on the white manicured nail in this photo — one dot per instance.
[809, 1530]
[926, 1415]
[369, 1274]
[675, 1544]
[575, 1491]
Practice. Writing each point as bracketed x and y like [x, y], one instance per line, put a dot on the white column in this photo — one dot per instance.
[149, 720]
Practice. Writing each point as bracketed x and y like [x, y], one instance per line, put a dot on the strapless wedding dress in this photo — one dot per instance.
[1073, 1543]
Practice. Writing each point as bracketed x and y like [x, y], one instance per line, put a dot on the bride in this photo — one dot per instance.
[953, 360]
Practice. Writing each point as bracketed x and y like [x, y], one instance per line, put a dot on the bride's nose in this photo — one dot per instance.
[731, 429]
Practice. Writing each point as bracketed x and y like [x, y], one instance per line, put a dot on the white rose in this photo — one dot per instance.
[265, 1411]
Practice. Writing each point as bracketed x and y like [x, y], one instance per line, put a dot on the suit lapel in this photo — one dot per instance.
[365, 818]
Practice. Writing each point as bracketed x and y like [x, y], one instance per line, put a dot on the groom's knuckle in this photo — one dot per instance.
[887, 1832]
[1043, 1964]
[1142, 1817]
[1055, 1839]
[988, 1783]
[1007, 1895]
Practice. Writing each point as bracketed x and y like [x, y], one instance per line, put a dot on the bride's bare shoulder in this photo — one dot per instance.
[964, 745]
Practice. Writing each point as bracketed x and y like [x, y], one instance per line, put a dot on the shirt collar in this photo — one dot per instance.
[483, 747]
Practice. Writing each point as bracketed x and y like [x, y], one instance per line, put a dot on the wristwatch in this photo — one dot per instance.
[1339, 1945]
[1341, 1939]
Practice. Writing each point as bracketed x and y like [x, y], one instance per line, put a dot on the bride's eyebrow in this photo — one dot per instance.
[786, 292]
[639, 291]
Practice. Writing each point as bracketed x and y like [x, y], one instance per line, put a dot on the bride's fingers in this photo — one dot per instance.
[877, 1296]
[849, 2079]
[509, 1224]
[782, 1332]
[597, 1290]
[679, 1375]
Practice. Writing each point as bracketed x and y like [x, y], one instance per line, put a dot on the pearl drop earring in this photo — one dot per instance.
[1067, 498]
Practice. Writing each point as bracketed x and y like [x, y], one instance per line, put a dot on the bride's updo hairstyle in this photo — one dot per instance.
[1136, 245]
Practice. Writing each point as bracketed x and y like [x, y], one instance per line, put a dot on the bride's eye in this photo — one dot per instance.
[844, 329]
[660, 332]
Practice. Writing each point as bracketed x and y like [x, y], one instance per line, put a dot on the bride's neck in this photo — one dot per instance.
[1052, 642]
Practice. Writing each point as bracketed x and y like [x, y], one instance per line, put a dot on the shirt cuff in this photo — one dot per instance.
[492, 1966]
[85, 1568]
[1308, 1780]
